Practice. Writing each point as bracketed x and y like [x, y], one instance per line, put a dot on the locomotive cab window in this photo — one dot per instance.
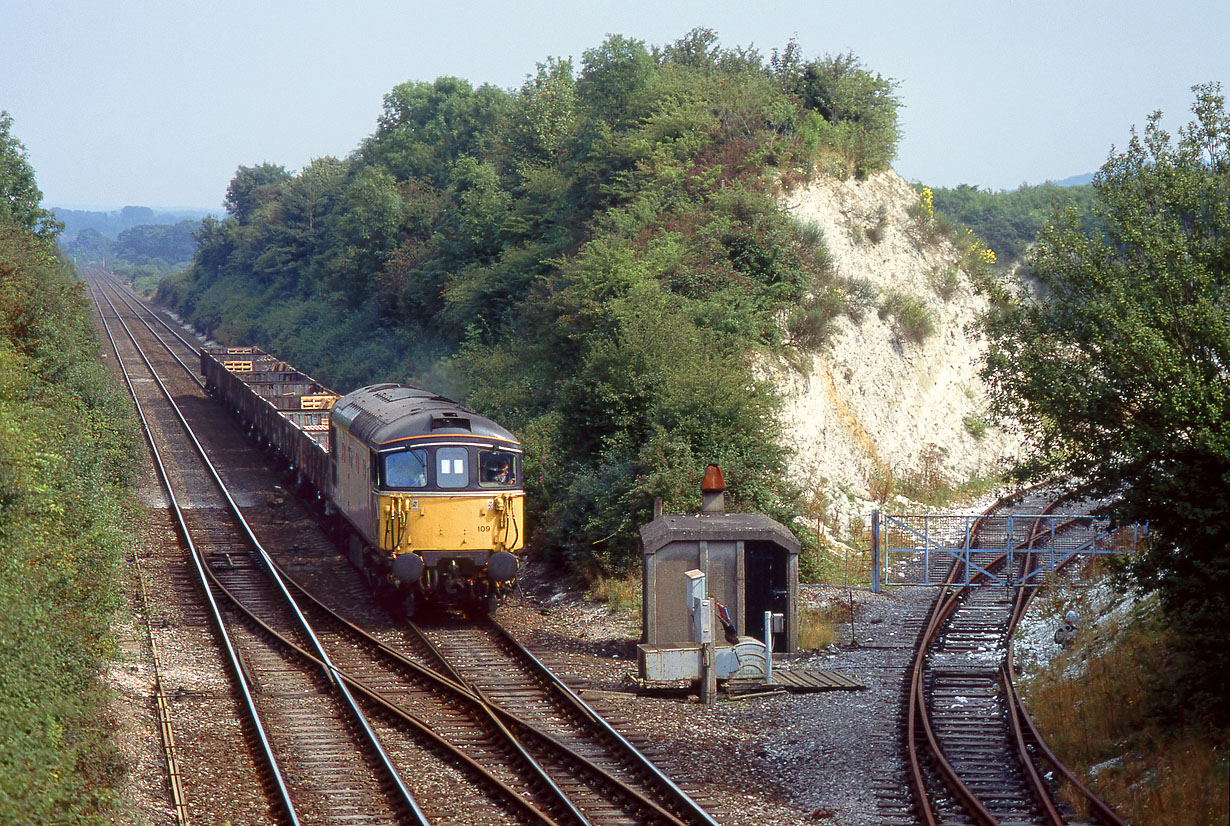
[405, 469]
[452, 467]
[496, 468]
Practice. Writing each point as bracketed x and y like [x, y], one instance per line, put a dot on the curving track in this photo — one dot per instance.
[969, 743]
[358, 725]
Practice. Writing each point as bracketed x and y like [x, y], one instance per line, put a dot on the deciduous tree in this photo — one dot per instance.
[20, 198]
[1120, 370]
[253, 187]
[614, 76]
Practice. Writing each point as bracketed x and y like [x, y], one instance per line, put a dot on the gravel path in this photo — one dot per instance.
[829, 757]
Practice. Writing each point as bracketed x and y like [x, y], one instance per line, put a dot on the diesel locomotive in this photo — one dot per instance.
[425, 496]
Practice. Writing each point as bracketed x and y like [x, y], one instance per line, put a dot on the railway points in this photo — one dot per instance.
[304, 742]
[809, 773]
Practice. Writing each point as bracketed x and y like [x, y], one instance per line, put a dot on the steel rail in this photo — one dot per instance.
[918, 720]
[459, 687]
[385, 704]
[592, 768]
[1101, 809]
[1020, 724]
[330, 670]
[189, 370]
[467, 692]
[464, 690]
[128, 296]
[686, 805]
[1026, 731]
[237, 670]
[1041, 795]
[681, 799]
[1019, 720]
[486, 707]
[916, 713]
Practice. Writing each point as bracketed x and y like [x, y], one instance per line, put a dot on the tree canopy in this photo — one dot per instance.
[1120, 369]
[589, 258]
[21, 201]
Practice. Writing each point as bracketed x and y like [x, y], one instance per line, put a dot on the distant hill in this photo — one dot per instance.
[111, 224]
[1075, 180]
[143, 254]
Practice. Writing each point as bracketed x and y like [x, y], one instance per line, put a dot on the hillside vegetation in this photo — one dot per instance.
[68, 450]
[590, 259]
[1008, 222]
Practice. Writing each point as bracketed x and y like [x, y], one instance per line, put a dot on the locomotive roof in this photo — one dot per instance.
[381, 414]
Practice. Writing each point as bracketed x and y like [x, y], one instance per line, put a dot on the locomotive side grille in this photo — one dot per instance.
[364, 424]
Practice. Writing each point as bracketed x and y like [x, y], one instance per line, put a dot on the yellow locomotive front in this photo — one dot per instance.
[432, 493]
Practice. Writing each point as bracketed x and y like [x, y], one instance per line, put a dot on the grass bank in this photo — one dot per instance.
[1106, 707]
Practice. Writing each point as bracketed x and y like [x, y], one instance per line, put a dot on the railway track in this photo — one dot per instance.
[288, 711]
[969, 743]
[455, 684]
[586, 752]
[360, 731]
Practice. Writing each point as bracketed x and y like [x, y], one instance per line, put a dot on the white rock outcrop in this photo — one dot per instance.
[872, 402]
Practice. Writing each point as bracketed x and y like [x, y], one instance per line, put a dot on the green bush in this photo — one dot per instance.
[68, 453]
[946, 282]
[908, 315]
[976, 426]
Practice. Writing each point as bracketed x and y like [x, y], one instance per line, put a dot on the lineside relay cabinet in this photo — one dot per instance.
[750, 563]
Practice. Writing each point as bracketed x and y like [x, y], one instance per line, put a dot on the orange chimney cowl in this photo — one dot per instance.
[713, 481]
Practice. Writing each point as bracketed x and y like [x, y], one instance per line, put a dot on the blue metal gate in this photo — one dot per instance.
[920, 549]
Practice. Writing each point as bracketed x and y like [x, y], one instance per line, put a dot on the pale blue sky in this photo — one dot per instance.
[157, 102]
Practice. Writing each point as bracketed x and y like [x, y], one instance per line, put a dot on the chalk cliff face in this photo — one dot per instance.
[874, 402]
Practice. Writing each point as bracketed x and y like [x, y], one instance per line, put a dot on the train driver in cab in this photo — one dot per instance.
[497, 468]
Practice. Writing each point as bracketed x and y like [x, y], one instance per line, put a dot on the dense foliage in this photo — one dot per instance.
[590, 259]
[1120, 370]
[1008, 222]
[67, 452]
[21, 201]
